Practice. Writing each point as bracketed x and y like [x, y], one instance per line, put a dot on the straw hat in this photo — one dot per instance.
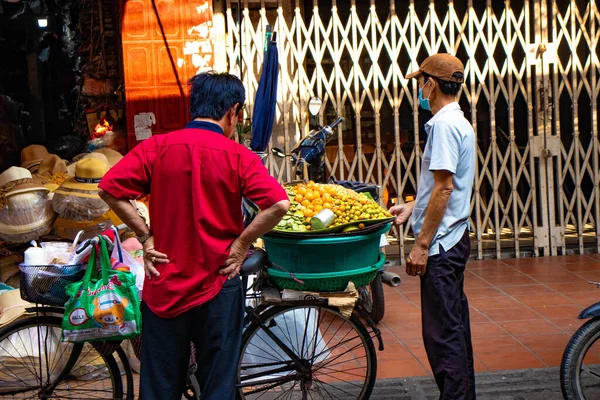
[17, 180]
[32, 156]
[51, 165]
[88, 173]
[51, 173]
[112, 156]
[12, 307]
[99, 156]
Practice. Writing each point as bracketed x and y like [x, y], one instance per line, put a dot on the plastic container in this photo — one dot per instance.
[322, 255]
[327, 282]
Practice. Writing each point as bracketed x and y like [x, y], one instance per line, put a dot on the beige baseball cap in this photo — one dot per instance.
[443, 66]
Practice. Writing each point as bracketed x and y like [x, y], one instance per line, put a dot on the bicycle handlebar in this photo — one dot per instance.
[90, 242]
[336, 122]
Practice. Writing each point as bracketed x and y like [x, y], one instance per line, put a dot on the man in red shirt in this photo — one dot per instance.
[196, 178]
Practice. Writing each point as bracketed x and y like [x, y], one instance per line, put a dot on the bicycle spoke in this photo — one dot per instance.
[331, 396]
[269, 344]
[345, 371]
[335, 351]
[344, 381]
[336, 388]
[589, 371]
[287, 327]
[20, 357]
[262, 356]
[305, 331]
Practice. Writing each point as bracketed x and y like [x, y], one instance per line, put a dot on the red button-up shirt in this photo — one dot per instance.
[196, 179]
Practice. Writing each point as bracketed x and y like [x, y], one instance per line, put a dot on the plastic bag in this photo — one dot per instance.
[124, 257]
[26, 217]
[102, 308]
[78, 208]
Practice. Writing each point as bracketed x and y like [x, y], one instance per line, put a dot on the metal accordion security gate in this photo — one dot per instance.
[531, 94]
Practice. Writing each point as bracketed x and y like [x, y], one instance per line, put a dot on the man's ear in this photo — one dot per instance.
[232, 114]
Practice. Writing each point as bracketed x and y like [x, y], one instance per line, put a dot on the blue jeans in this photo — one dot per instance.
[216, 330]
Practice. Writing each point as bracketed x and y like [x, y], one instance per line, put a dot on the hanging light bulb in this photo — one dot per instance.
[42, 22]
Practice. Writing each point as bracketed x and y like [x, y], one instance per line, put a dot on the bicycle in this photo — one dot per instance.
[302, 348]
[580, 366]
[34, 362]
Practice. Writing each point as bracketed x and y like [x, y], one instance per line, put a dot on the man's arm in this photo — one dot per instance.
[438, 202]
[262, 224]
[128, 214]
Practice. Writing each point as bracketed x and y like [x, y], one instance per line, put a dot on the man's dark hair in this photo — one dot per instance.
[446, 87]
[214, 93]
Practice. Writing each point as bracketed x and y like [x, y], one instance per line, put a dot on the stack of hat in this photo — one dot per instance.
[25, 209]
[77, 203]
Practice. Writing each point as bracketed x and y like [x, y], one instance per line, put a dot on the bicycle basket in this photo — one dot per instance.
[326, 282]
[45, 284]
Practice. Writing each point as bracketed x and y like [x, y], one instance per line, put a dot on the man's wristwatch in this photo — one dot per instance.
[144, 239]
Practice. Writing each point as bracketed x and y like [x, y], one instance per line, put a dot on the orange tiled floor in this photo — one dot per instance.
[523, 312]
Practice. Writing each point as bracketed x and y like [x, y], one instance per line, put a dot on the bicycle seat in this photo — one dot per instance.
[254, 262]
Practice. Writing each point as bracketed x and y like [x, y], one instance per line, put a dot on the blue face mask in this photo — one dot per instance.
[424, 103]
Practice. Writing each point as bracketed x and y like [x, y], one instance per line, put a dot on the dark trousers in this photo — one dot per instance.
[446, 326]
[216, 330]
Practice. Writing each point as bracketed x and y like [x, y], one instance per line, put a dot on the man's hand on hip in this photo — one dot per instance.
[416, 262]
[402, 212]
[152, 257]
[233, 263]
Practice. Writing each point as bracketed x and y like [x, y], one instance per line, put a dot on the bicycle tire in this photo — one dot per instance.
[268, 316]
[128, 372]
[55, 322]
[573, 357]
[377, 299]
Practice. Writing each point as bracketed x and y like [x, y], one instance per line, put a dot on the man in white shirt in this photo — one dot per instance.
[440, 222]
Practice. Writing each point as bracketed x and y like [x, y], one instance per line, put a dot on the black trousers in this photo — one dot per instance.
[216, 330]
[446, 325]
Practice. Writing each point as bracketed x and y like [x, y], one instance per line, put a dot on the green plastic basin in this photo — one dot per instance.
[322, 255]
[326, 282]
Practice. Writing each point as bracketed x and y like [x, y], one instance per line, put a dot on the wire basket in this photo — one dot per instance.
[45, 284]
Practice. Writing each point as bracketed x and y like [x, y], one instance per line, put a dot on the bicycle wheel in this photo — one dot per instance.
[307, 352]
[35, 363]
[580, 367]
[372, 298]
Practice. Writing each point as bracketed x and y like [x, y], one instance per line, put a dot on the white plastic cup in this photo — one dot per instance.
[322, 220]
[34, 256]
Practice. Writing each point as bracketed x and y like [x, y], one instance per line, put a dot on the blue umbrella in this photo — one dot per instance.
[263, 116]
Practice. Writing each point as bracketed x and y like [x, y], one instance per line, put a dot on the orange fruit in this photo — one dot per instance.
[318, 201]
[308, 213]
[361, 226]
[318, 208]
[310, 196]
[306, 203]
[316, 194]
[301, 191]
[328, 205]
[299, 198]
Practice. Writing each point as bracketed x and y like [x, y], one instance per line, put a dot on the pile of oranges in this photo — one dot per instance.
[349, 207]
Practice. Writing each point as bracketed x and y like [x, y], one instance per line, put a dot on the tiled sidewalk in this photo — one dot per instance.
[523, 312]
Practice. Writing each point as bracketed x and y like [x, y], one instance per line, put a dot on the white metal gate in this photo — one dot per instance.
[531, 94]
